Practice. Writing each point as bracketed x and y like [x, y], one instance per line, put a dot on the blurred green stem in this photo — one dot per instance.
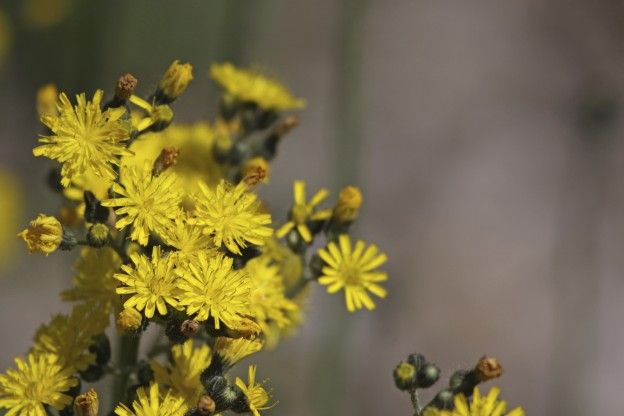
[128, 355]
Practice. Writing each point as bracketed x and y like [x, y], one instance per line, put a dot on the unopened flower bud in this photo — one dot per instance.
[428, 374]
[44, 235]
[443, 400]
[167, 158]
[129, 319]
[257, 166]
[206, 406]
[47, 97]
[98, 235]
[417, 360]
[348, 205]
[189, 327]
[94, 211]
[254, 176]
[488, 368]
[405, 376]
[87, 404]
[125, 87]
[175, 80]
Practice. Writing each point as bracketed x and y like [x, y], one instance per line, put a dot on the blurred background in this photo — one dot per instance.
[486, 137]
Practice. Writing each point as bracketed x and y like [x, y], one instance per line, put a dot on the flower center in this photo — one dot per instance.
[299, 213]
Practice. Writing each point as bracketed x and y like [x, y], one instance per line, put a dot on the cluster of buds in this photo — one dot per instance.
[417, 373]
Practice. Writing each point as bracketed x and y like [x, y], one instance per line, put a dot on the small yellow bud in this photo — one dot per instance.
[257, 166]
[405, 376]
[98, 235]
[349, 203]
[176, 79]
[87, 404]
[488, 368]
[44, 234]
[206, 406]
[129, 320]
[47, 97]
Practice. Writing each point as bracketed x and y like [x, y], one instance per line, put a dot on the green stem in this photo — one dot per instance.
[128, 356]
[415, 403]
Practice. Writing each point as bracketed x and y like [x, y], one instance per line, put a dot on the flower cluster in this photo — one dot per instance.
[170, 232]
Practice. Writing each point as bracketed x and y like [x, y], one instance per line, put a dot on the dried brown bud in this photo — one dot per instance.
[488, 368]
[125, 86]
[206, 406]
[254, 176]
[189, 327]
[87, 404]
[168, 157]
[287, 125]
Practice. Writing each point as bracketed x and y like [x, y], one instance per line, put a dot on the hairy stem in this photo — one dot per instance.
[128, 355]
[415, 403]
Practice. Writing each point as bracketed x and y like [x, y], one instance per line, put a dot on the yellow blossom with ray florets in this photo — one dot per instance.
[150, 282]
[158, 116]
[183, 372]
[175, 80]
[232, 350]
[353, 270]
[232, 216]
[38, 381]
[69, 336]
[187, 239]
[84, 138]
[251, 86]
[44, 235]
[256, 394]
[211, 288]
[488, 405]
[303, 211]
[88, 181]
[151, 402]
[94, 282]
[146, 202]
[268, 301]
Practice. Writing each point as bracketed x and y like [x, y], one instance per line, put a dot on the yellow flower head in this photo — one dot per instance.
[151, 283]
[232, 350]
[176, 79]
[268, 301]
[146, 202]
[354, 271]
[69, 337]
[158, 116]
[129, 319]
[302, 211]
[87, 404]
[349, 203]
[150, 402]
[38, 380]
[256, 394]
[211, 288]
[487, 405]
[251, 86]
[84, 138]
[44, 234]
[231, 215]
[182, 374]
[94, 282]
[187, 239]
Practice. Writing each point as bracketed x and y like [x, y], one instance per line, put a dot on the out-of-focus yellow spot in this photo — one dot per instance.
[10, 207]
[45, 13]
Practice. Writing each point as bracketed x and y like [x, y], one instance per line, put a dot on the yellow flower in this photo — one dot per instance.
[268, 301]
[87, 404]
[251, 86]
[176, 79]
[94, 282]
[232, 350]
[87, 182]
[129, 319]
[69, 337]
[188, 240]
[152, 403]
[182, 374]
[290, 264]
[151, 282]
[148, 203]
[47, 96]
[353, 270]
[302, 211]
[256, 394]
[44, 234]
[84, 138]
[158, 116]
[488, 405]
[232, 216]
[38, 380]
[211, 288]
[349, 203]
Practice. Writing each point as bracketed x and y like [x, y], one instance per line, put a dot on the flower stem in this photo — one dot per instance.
[128, 355]
[415, 403]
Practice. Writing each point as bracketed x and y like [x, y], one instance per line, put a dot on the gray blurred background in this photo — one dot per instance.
[486, 137]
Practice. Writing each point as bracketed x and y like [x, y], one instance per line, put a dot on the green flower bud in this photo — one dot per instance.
[405, 376]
